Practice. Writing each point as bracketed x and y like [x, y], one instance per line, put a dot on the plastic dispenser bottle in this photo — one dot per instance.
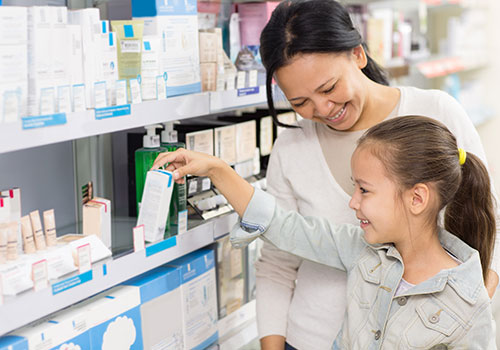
[178, 205]
[144, 159]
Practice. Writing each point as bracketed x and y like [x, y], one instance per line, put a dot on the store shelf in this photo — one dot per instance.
[441, 67]
[83, 124]
[240, 98]
[30, 306]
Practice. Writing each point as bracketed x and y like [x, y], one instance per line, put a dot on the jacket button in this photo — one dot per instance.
[402, 301]
[434, 318]
[439, 347]
[377, 335]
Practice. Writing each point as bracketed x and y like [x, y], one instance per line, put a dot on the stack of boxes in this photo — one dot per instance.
[176, 24]
[13, 63]
[211, 59]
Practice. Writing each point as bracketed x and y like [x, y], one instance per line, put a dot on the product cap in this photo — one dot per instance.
[151, 140]
[169, 135]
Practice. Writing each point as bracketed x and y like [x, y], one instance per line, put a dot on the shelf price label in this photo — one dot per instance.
[112, 112]
[84, 261]
[42, 121]
[248, 91]
[139, 238]
[39, 275]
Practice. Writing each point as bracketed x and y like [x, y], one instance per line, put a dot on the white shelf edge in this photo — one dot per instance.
[31, 306]
[229, 100]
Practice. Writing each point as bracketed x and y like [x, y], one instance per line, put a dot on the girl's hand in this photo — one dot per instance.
[183, 162]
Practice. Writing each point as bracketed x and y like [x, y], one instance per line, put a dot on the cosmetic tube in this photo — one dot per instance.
[28, 240]
[12, 241]
[36, 225]
[49, 222]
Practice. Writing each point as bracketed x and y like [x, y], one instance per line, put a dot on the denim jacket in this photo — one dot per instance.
[449, 310]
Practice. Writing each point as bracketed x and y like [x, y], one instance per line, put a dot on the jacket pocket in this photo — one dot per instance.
[368, 280]
[433, 324]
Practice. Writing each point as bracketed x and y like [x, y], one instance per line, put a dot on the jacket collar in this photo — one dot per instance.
[466, 279]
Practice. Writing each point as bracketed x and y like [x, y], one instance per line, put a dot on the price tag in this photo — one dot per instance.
[161, 87]
[84, 261]
[79, 104]
[121, 92]
[39, 275]
[139, 238]
[63, 99]
[135, 91]
[100, 97]
[240, 79]
[47, 101]
[193, 186]
[205, 184]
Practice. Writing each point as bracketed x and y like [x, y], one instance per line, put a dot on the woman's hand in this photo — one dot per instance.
[183, 162]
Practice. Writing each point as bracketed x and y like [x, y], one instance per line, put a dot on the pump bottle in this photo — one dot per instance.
[178, 204]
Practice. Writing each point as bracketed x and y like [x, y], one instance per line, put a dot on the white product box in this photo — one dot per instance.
[41, 99]
[155, 204]
[114, 319]
[75, 68]
[246, 140]
[150, 66]
[16, 276]
[13, 25]
[201, 141]
[160, 296]
[98, 250]
[177, 24]
[97, 219]
[225, 143]
[199, 298]
[89, 21]
[65, 330]
[59, 45]
[109, 65]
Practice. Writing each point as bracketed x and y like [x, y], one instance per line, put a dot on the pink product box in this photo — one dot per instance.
[253, 18]
[209, 6]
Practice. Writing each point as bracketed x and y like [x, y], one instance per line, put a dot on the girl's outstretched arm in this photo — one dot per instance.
[182, 162]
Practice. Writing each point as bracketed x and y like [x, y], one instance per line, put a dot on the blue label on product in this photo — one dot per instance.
[248, 91]
[111, 112]
[128, 30]
[161, 246]
[147, 46]
[111, 42]
[71, 282]
[42, 121]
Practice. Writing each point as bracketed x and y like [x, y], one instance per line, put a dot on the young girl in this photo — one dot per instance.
[411, 284]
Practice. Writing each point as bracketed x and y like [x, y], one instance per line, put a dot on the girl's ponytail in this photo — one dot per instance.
[470, 214]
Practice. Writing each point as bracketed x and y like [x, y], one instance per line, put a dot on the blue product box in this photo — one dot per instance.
[13, 342]
[151, 8]
[156, 282]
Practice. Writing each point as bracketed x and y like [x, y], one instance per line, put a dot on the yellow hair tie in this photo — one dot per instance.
[462, 156]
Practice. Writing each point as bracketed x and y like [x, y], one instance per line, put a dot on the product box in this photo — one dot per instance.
[13, 25]
[253, 18]
[109, 64]
[177, 24]
[89, 21]
[208, 46]
[199, 299]
[150, 67]
[266, 136]
[200, 141]
[13, 196]
[225, 143]
[59, 45]
[65, 330]
[230, 277]
[114, 319]
[13, 342]
[155, 204]
[97, 219]
[160, 295]
[246, 140]
[208, 73]
[75, 54]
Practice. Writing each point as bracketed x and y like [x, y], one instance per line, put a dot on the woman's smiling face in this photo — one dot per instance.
[326, 88]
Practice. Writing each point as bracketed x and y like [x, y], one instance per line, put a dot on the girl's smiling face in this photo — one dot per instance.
[376, 200]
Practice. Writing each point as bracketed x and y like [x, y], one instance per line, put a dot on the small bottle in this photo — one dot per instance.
[144, 159]
[178, 204]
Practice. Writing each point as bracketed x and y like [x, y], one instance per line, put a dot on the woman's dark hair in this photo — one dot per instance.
[416, 150]
[309, 26]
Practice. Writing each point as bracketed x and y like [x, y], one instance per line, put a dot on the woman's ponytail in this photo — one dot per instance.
[470, 214]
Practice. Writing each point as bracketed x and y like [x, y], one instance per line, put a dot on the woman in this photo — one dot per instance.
[317, 58]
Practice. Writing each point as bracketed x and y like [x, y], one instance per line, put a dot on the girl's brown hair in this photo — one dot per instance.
[418, 149]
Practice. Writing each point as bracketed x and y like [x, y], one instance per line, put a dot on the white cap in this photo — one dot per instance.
[169, 135]
[151, 140]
